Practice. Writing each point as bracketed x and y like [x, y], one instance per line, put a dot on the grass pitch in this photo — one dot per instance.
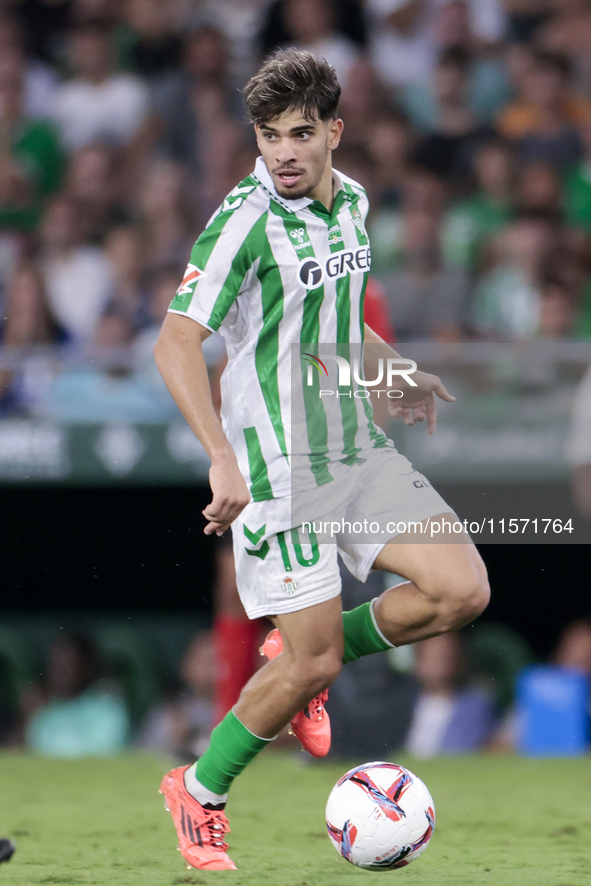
[501, 821]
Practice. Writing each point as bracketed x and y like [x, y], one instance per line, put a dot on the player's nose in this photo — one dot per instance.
[285, 152]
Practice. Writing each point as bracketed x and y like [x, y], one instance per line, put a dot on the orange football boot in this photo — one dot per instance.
[200, 831]
[312, 725]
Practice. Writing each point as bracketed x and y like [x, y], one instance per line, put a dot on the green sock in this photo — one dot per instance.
[362, 635]
[231, 749]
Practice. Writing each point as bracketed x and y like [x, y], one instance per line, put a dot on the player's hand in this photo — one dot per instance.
[230, 494]
[419, 403]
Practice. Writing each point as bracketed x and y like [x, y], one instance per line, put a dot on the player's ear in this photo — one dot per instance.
[335, 131]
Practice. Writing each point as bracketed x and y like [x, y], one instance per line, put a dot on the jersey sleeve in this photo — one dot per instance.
[219, 268]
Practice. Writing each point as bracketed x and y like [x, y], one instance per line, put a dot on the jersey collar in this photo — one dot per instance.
[262, 175]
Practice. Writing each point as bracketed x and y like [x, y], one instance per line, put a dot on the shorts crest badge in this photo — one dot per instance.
[289, 586]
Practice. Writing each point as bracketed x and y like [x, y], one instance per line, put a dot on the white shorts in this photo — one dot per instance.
[365, 506]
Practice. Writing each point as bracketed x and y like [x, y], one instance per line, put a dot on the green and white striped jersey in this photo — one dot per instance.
[269, 274]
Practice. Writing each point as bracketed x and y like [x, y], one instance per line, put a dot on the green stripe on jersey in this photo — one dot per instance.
[378, 438]
[316, 423]
[267, 348]
[260, 487]
[346, 401]
[200, 256]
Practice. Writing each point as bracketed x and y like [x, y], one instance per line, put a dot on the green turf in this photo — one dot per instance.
[500, 821]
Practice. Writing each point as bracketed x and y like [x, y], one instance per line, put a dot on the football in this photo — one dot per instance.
[380, 816]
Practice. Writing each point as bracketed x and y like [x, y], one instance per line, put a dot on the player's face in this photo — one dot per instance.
[297, 152]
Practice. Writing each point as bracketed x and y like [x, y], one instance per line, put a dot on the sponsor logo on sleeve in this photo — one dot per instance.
[192, 275]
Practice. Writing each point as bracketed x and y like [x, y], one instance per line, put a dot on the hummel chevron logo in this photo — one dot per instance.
[254, 538]
[236, 197]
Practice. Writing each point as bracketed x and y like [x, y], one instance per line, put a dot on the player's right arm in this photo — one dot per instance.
[219, 270]
[179, 357]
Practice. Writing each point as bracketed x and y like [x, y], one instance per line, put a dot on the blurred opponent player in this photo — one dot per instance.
[256, 275]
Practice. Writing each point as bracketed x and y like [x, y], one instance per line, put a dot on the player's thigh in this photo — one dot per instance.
[446, 560]
[392, 500]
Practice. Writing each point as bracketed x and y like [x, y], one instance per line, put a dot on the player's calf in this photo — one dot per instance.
[460, 599]
[311, 724]
[448, 589]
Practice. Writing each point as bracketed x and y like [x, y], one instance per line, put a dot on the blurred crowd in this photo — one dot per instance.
[452, 694]
[122, 128]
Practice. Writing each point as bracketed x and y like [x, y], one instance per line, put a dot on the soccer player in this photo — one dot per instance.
[261, 274]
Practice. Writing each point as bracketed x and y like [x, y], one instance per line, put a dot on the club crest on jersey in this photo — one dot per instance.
[358, 220]
[347, 261]
[289, 585]
[300, 238]
[192, 274]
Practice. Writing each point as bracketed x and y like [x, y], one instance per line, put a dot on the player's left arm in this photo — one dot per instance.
[417, 403]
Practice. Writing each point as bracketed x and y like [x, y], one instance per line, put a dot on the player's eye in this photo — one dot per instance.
[304, 136]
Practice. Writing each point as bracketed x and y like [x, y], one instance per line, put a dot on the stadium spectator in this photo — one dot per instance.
[98, 104]
[39, 79]
[400, 42]
[568, 30]
[31, 160]
[93, 181]
[486, 88]
[363, 100]
[348, 22]
[507, 298]
[198, 111]
[167, 215]
[538, 186]
[427, 299]
[107, 12]
[182, 722]
[312, 25]
[45, 26]
[71, 714]
[573, 650]
[450, 716]
[577, 186]
[125, 249]
[421, 190]
[28, 321]
[90, 392]
[545, 117]
[151, 47]
[78, 275]
[405, 34]
[473, 220]
[559, 311]
[489, 85]
[390, 140]
[524, 17]
[456, 132]
[574, 647]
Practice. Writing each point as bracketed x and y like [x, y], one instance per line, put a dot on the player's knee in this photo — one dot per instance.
[321, 671]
